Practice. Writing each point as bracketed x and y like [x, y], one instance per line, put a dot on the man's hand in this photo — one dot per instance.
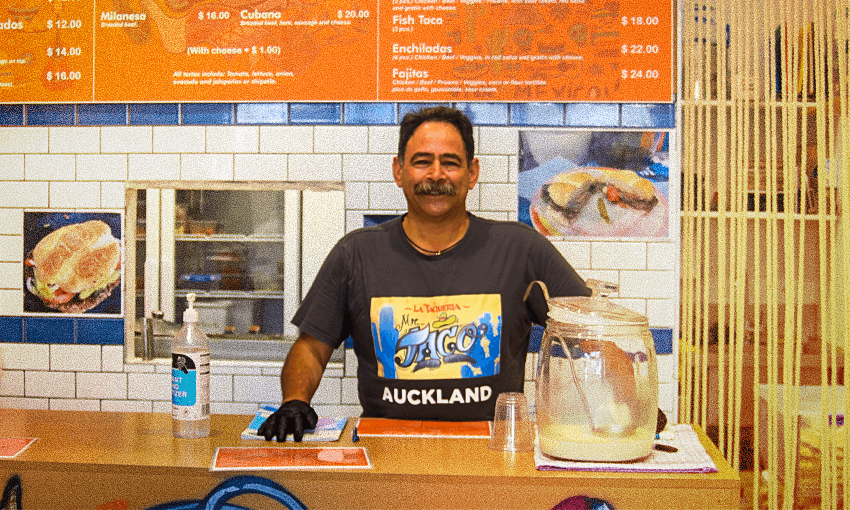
[293, 417]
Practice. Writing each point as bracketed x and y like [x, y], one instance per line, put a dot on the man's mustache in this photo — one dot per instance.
[435, 188]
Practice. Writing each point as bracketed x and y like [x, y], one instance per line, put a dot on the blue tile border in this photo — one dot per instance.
[11, 329]
[526, 114]
[49, 330]
[207, 114]
[11, 115]
[51, 114]
[372, 114]
[315, 113]
[62, 330]
[648, 115]
[592, 115]
[262, 113]
[154, 114]
[96, 114]
[537, 114]
[100, 331]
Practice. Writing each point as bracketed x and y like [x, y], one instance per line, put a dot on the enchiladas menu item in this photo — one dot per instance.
[335, 50]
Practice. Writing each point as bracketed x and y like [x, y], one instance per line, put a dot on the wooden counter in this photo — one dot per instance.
[82, 460]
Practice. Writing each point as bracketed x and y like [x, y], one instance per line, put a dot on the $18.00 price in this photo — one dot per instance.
[649, 21]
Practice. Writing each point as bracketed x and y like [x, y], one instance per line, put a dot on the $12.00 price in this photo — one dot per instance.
[68, 24]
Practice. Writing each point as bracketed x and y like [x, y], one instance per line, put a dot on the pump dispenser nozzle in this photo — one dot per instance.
[190, 314]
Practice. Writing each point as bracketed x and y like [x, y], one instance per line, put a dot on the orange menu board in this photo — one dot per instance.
[526, 50]
[46, 50]
[335, 50]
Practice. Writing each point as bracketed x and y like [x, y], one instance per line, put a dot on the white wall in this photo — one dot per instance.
[86, 167]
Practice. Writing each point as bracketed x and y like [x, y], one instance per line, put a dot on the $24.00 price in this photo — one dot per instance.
[639, 73]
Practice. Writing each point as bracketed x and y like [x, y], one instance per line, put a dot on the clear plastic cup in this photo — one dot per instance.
[512, 429]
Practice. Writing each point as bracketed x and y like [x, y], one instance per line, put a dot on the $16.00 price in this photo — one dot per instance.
[63, 75]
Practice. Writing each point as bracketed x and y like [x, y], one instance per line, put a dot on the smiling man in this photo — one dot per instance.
[433, 300]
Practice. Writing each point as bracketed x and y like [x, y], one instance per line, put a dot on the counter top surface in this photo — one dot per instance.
[142, 442]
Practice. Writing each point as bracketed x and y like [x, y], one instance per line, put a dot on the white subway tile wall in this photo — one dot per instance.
[86, 167]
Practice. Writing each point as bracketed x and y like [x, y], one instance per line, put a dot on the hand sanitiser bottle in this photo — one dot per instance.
[190, 378]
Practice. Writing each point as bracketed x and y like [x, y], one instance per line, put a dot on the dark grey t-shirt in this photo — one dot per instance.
[436, 337]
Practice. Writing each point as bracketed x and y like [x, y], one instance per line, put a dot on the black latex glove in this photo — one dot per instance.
[293, 417]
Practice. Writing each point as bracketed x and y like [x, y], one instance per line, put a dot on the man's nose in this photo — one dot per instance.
[436, 172]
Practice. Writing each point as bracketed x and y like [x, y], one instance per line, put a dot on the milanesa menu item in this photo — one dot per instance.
[75, 267]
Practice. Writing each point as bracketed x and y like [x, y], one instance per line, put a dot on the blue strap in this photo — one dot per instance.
[236, 486]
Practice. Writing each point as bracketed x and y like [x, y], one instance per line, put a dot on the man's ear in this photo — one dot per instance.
[397, 171]
[474, 170]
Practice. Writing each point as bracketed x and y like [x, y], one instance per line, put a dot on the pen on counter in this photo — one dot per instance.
[354, 436]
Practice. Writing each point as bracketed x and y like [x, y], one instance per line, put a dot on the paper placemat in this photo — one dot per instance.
[10, 447]
[288, 458]
[691, 457]
[415, 428]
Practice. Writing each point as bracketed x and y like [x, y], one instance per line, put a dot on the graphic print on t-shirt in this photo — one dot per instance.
[442, 337]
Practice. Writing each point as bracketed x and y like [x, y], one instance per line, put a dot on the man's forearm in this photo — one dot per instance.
[303, 369]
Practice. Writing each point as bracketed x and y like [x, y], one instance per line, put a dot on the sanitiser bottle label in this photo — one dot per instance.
[190, 383]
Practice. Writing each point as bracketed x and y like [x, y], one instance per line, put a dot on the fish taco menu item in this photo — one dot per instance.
[75, 267]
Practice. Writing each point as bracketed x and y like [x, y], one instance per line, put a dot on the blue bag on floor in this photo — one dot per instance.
[218, 498]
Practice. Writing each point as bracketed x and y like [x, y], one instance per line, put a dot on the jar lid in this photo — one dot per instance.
[596, 310]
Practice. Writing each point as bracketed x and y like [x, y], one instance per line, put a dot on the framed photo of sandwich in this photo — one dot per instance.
[595, 183]
[73, 263]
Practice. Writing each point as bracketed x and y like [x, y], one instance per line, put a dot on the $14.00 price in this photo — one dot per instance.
[639, 73]
[61, 51]
[63, 75]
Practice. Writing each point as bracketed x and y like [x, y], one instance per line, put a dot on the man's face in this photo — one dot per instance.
[434, 175]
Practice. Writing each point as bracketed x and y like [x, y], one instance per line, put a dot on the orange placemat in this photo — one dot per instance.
[271, 457]
[10, 447]
[416, 428]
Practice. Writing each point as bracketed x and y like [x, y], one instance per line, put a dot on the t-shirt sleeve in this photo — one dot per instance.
[323, 313]
[549, 266]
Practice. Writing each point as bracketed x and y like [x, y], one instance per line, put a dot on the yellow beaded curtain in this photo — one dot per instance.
[764, 122]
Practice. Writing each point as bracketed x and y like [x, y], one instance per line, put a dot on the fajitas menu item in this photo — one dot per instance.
[75, 267]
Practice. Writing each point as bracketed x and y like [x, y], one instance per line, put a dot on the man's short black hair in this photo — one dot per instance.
[455, 117]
